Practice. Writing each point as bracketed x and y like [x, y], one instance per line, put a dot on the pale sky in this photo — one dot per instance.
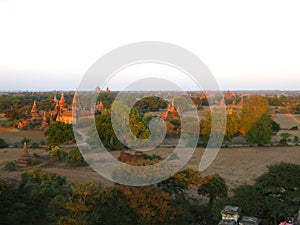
[47, 45]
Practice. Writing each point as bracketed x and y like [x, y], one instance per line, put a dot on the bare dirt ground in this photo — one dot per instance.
[237, 165]
[12, 135]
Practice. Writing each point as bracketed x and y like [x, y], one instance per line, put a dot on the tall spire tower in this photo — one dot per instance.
[62, 102]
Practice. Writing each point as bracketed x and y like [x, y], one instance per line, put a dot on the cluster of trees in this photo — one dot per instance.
[137, 123]
[274, 193]
[254, 122]
[44, 198]
[59, 133]
[151, 104]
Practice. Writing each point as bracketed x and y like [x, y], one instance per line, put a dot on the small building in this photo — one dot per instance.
[231, 213]
[249, 221]
[227, 222]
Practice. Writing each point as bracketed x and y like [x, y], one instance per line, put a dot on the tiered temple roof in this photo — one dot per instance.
[62, 102]
[34, 113]
[25, 157]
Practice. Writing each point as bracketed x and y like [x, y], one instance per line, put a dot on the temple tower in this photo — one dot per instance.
[45, 121]
[25, 157]
[55, 99]
[34, 113]
[76, 102]
[100, 107]
[62, 102]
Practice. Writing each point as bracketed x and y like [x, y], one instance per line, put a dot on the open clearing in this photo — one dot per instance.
[237, 165]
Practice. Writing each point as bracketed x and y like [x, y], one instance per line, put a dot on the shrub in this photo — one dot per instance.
[34, 161]
[10, 166]
[152, 157]
[3, 143]
[17, 145]
[294, 128]
[25, 139]
[75, 158]
[58, 153]
[35, 145]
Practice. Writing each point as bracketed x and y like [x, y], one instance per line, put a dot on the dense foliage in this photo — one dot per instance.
[44, 198]
[58, 133]
[274, 193]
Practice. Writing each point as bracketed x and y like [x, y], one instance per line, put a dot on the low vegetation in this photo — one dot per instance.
[3, 143]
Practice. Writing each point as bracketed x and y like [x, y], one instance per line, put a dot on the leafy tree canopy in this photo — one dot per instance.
[58, 133]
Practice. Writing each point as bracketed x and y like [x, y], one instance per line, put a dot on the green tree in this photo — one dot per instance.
[114, 208]
[3, 143]
[179, 183]
[252, 110]
[250, 199]
[261, 131]
[25, 139]
[59, 133]
[105, 133]
[9, 198]
[41, 194]
[285, 137]
[58, 153]
[274, 193]
[280, 188]
[75, 158]
[80, 205]
[232, 125]
[136, 123]
[213, 186]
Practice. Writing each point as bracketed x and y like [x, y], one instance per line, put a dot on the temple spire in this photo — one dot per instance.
[55, 99]
[62, 102]
[76, 101]
[34, 108]
[25, 157]
[34, 112]
[45, 118]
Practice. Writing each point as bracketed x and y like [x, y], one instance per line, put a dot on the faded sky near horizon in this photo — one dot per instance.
[47, 45]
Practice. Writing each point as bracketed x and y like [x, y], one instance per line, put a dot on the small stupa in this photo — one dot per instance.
[34, 113]
[25, 157]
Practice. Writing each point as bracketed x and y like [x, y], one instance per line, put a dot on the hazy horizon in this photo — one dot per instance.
[246, 45]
